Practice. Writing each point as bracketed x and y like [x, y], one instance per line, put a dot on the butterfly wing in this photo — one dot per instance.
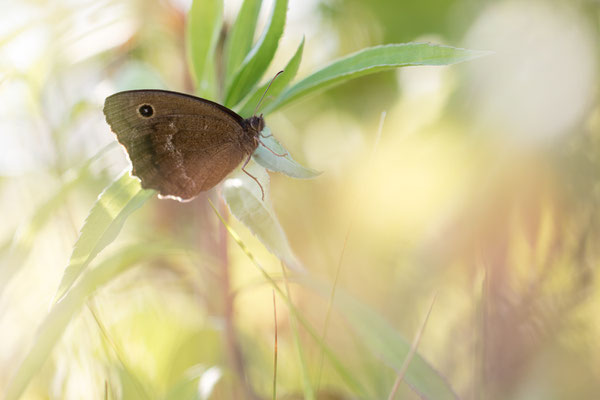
[178, 144]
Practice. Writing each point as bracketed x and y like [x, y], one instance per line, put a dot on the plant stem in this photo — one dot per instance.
[275, 349]
[411, 352]
[234, 352]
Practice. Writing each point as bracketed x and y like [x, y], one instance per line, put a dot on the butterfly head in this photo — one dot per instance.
[256, 124]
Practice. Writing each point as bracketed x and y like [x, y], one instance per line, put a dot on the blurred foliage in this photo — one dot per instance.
[482, 186]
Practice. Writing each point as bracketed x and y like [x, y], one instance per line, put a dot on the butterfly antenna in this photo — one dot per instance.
[268, 87]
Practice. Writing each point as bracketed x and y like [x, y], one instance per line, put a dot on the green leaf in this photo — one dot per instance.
[341, 369]
[63, 312]
[22, 239]
[16, 249]
[371, 60]
[274, 161]
[240, 39]
[103, 224]
[386, 343]
[203, 27]
[244, 198]
[277, 87]
[307, 387]
[257, 61]
[19, 245]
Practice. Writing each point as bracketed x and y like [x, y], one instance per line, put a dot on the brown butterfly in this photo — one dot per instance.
[179, 144]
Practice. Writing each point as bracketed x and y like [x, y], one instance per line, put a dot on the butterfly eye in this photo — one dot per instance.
[146, 110]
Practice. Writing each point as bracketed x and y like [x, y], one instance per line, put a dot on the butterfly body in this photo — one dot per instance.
[180, 145]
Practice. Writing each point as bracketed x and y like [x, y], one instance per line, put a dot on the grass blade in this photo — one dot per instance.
[103, 224]
[275, 348]
[411, 353]
[309, 393]
[243, 197]
[18, 247]
[257, 61]
[353, 213]
[202, 33]
[240, 39]
[62, 312]
[352, 382]
[269, 154]
[279, 84]
[386, 343]
[371, 60]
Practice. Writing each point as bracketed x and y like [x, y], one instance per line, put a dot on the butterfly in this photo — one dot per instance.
[181, 145]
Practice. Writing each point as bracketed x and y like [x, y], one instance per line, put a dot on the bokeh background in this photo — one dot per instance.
[481, 187]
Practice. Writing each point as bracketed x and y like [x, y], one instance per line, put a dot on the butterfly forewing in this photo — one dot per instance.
[179, 145]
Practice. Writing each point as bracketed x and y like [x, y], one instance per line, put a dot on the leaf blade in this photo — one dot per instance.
[371, 60]
[256, 62]
[243, 197]
[342, 370]
[385, 342]
[279, 84]
[420, 375]
[202, 33]
[51, 329]
[103, 224]
[269, 154]
[242, 34]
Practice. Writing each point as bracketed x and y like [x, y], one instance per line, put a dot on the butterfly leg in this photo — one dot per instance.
[267, 147]
[252, 176]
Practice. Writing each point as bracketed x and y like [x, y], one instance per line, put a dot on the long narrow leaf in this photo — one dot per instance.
[257, 61]
[240, 39]
[103, 224]
[18, 247]
[270, 154]
[279, 84]
[307, 388]
[371, 60]
[350, 380]
[63, 312]
[386, 343]
[244, 198]
[203, 26]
